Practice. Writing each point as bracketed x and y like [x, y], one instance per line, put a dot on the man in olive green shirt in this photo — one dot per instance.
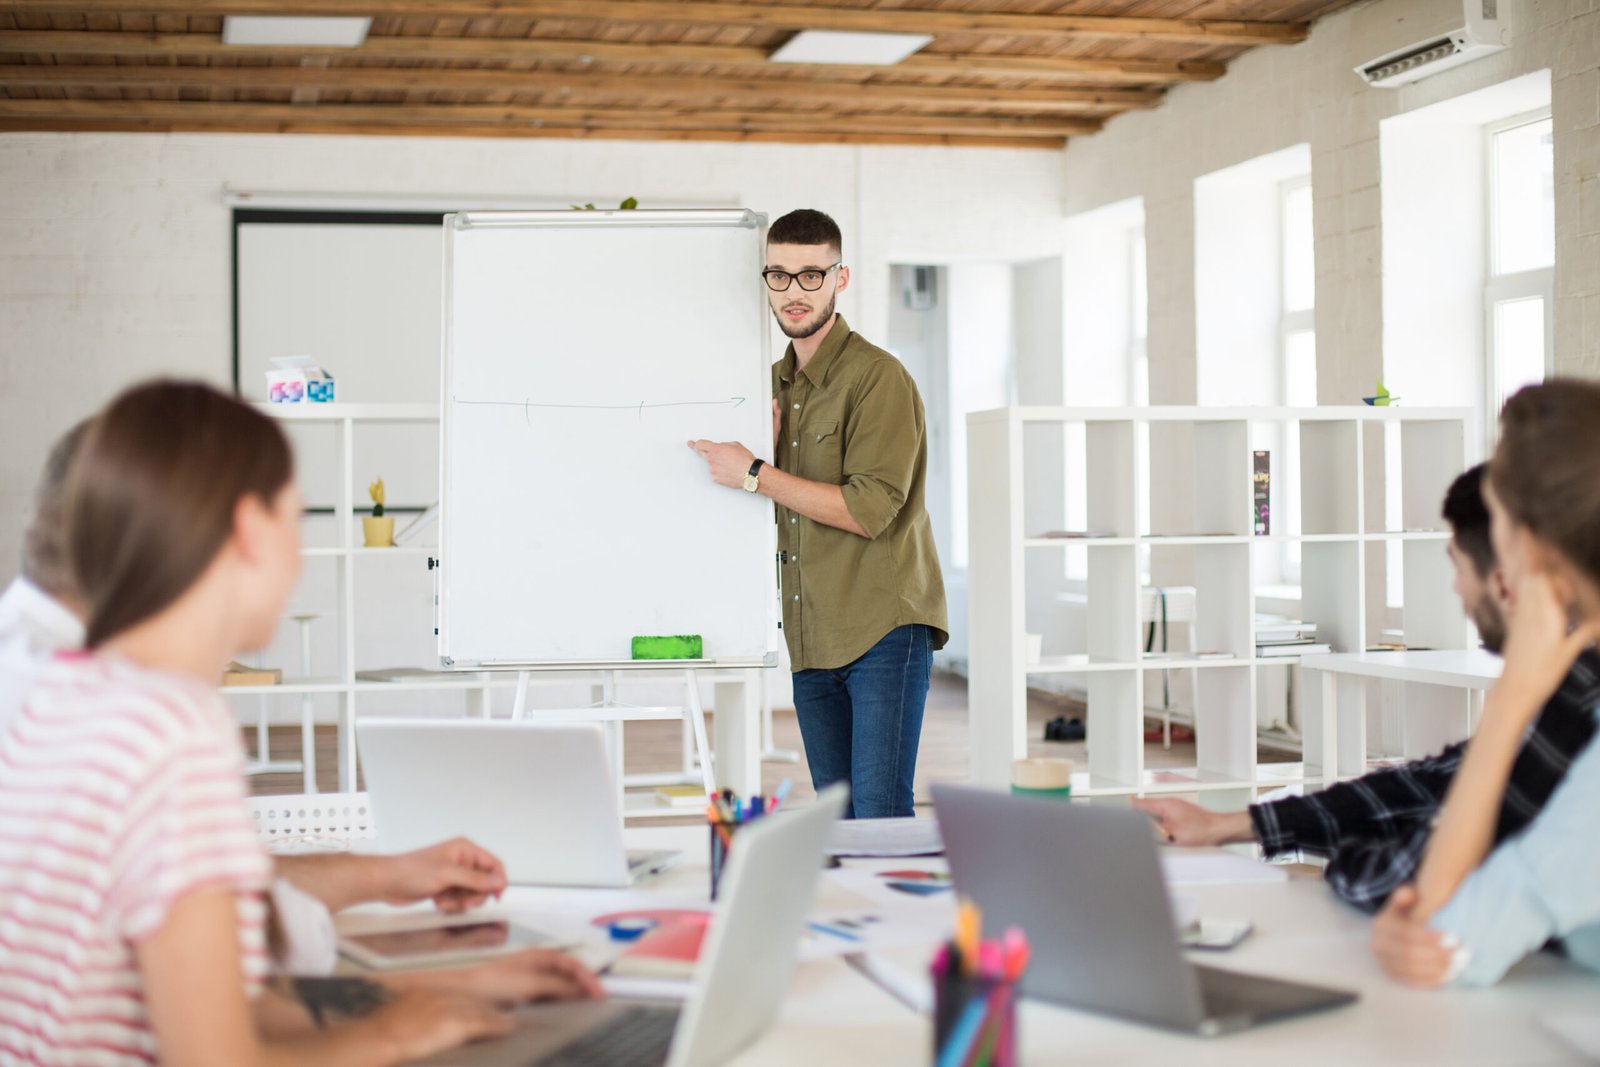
[863, 599]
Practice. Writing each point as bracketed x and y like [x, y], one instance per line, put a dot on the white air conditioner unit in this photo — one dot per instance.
[1412, 39]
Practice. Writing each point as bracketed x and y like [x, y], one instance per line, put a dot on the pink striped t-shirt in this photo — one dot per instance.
[121, 790]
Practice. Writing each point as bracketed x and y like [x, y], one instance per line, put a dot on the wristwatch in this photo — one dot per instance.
[752, 477]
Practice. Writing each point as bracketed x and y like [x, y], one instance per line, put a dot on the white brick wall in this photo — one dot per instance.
[114, 249]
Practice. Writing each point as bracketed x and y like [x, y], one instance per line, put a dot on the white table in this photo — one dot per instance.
[836, 1016]
[1434, 713]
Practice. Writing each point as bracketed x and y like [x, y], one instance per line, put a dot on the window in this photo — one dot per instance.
[1138, 383]
[1297, 335]
[1104, 346]
[1519, 293]
[1138, 320]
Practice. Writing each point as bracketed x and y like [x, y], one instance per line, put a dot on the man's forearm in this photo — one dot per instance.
[339, 880]
[818, 501]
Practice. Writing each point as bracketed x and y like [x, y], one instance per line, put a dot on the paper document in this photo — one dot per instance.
[1213, 866]
[928, 901]
[885, 837]
[846, 932]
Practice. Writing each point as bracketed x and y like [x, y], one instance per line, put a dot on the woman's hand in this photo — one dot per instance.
[422, 1022]
[1540, 646]
[519, 978]
[1411, 951]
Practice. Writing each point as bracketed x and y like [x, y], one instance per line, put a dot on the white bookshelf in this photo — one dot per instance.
[735, 692]
[1340, 518]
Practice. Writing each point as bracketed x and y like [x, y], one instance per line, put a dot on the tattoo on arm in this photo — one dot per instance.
[347, 996]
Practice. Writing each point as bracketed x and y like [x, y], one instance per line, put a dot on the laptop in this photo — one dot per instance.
[538, 795]
[739, 981]
[1085, 884]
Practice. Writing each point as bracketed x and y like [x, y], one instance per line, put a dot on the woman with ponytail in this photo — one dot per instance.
[133, 922]
[1473, 914]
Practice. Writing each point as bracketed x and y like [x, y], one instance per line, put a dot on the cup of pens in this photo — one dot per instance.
[975, 995]
[727, 812]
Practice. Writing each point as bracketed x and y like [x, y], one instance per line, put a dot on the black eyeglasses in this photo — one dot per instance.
[810, 280]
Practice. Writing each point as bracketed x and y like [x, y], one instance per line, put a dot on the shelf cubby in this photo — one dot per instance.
[1197, 485]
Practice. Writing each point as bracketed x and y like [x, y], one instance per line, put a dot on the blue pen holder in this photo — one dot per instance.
[974, 1021]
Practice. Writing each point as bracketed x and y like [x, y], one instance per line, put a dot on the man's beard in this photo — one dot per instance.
[1491, 626]
[802, 331]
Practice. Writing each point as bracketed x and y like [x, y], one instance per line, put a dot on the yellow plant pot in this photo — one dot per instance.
[379, 532]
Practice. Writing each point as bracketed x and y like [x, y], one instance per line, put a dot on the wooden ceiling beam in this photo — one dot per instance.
[146, 125]
[545, 49]
[433, 79]
[782, 16]
[378, 115]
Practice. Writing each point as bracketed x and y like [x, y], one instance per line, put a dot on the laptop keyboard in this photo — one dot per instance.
[637, 1037]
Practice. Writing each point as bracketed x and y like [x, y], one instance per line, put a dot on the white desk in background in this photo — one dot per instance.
[835, 1015]
[1441, 696]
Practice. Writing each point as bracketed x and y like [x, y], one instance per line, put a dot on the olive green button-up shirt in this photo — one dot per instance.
[853, 418]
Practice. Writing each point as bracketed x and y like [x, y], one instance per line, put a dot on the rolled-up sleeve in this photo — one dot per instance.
[882, 444]
[1544, 883]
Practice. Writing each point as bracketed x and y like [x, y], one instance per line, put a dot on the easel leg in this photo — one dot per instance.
[697, 720]
[521, 705]
[614, 731]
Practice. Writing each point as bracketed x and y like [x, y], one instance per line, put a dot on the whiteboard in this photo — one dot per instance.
[582, 351]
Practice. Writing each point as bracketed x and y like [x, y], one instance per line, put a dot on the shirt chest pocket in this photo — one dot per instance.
[822, 452]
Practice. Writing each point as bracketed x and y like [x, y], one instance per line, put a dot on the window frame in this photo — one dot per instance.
[1511, 286]
[1291, 323]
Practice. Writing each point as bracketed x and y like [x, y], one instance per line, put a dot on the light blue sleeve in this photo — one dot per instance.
[1541, 884]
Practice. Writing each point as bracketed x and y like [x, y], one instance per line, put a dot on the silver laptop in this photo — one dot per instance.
[538, 795]
[1085, 884]
[739, 982]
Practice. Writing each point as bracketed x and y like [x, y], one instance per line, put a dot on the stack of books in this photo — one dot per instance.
[1287, 637]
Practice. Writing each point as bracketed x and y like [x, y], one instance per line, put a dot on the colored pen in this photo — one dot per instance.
[826, 928]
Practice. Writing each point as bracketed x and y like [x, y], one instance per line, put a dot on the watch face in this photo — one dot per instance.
[751, 483]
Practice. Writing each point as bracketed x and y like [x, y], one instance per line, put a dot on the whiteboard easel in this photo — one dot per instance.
[582, 350]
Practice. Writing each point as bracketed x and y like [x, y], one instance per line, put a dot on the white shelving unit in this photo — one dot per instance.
[736, 693]
[1335, 525]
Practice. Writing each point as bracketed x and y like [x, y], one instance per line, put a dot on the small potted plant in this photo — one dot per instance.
[378, 528]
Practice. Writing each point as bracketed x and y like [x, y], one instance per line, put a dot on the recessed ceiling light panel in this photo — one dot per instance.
[833, 46]
[314, 31]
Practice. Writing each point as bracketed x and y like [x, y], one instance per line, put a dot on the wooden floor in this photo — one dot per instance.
[653, 746]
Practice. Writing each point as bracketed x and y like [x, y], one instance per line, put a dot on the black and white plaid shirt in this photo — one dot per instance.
[1373, 829]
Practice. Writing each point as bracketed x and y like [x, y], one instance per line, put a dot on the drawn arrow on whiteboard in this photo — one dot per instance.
[528, 405]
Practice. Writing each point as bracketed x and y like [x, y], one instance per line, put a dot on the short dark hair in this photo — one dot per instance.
[806, 226]
[1468, 517]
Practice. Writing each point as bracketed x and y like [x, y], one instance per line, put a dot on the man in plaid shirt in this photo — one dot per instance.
[1373, 829]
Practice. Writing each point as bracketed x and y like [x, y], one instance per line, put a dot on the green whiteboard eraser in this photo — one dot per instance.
[673, 646]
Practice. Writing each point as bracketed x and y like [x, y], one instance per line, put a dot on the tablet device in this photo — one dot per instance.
[441, 942]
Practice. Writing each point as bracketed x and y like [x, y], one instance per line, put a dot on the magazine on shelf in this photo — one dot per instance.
[1303, 648]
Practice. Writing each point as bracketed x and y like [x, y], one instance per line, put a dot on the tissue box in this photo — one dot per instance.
[298, 379]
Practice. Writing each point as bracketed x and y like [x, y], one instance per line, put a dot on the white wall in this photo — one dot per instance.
[1038, 316]
[114, 249]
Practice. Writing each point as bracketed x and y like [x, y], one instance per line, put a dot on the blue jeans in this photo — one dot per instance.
[861, 723]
